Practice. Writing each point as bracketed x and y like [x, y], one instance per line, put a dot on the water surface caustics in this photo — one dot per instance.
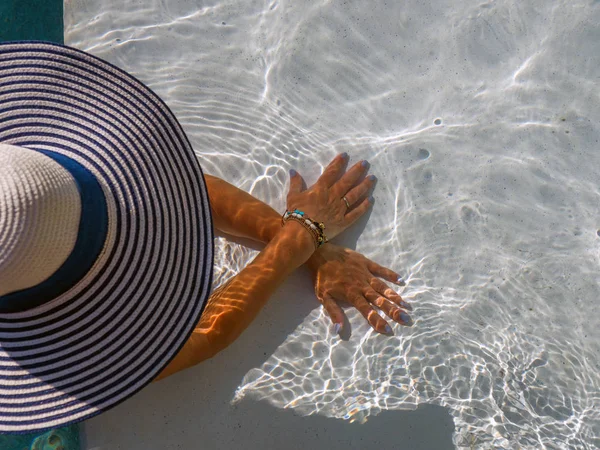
[481, 121]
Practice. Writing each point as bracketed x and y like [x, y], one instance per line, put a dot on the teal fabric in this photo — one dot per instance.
[66, 438]
[39, 20]
[31, 20]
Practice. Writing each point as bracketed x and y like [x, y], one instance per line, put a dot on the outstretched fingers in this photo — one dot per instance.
[374, 319]
[351, 177]
[382, 289]
[296, 182]
[388, 307]
[334, 170]
[359, 211]
[358, 193]
[385, 273]
[336, 314]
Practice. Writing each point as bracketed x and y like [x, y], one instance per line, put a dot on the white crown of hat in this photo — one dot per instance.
[40, 210]
[106, 246]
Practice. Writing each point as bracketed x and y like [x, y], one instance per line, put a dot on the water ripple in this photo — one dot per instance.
[481, 121]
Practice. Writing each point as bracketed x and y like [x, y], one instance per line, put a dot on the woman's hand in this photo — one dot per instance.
[324, 201]
[342, 274]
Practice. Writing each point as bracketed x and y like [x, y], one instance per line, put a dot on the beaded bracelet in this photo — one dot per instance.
[317, 229]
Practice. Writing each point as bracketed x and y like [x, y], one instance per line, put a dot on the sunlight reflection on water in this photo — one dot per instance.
[481, 123]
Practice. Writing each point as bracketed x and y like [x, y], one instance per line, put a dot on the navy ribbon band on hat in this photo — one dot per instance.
[93, 227]
[152, 278]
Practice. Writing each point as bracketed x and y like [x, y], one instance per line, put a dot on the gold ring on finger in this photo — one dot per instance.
[346, 201]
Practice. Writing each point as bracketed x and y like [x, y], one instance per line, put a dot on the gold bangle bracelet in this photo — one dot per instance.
[315, 228]
[315, 237]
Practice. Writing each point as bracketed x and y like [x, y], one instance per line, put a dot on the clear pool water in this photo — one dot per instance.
[481, 121]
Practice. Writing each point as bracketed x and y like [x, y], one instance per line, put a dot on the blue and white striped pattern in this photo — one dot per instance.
[114, 331]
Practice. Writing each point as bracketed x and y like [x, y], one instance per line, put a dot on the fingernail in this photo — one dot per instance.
[292, 173]
[344, 155]
[372, 199]
[388, 329]
[401, 281]
[406, 305]
[365, 163]
[406, 319]
[372, 177]
[337, 328]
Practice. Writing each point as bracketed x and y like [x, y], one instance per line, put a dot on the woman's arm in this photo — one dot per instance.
[339, 274]
[232, 307]
[238, 213]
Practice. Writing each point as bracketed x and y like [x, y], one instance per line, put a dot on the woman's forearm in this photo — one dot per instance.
[235, 305]
[240, 214]
[232, 307]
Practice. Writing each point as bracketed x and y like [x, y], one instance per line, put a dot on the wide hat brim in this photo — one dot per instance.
[109, 335]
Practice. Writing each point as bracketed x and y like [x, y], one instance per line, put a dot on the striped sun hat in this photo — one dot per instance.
[106, 241]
